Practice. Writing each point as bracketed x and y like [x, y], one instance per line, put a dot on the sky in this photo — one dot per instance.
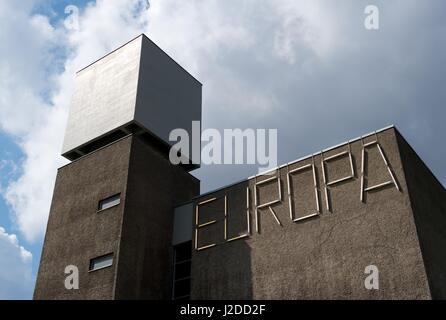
[309, 69]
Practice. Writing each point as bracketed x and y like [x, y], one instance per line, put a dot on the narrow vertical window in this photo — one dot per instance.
[182, 271]
[109, 202]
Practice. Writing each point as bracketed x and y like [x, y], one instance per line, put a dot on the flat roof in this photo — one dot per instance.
[123, 45]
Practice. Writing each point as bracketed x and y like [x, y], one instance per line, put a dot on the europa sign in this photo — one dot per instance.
[288, 196]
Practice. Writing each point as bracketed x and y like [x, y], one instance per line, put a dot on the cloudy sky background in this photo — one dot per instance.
[308, 68]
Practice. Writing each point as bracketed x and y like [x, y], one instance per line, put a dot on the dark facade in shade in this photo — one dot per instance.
[137, 227]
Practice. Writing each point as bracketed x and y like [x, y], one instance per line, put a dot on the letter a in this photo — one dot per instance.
[372, 280]
[72, 280]
[371, 22]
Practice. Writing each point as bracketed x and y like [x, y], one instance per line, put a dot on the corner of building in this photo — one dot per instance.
[428, 201]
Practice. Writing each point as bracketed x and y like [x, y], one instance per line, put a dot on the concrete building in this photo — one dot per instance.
[136, 226]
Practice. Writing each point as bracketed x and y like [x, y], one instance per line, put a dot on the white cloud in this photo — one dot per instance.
[233, 47]
[308, 68]
[310, 24]
[36, 95]
[16, 280]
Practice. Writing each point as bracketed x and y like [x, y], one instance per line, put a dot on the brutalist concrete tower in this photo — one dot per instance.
[113, 205]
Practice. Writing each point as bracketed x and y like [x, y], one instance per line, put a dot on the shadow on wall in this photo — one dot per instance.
[228, 274]
[427, 196]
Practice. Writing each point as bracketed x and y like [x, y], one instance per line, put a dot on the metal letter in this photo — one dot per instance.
[268, 204]
[389, 169]
[316, 191]
[332, 183]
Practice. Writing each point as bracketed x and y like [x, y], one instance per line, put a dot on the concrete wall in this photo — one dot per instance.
[138, 231]
[104, 96]
[76, 232]
[168, 96]
[323, 257]
[139, 85]
[428, 200]
[145, 258]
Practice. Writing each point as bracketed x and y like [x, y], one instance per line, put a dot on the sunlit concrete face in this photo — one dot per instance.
[136, 84]
[310, 230]
[137, 232]
[104, 97]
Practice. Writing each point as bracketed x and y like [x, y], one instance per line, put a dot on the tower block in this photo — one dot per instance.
[112, 211]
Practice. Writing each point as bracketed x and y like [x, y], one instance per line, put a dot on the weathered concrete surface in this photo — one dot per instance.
[76, 232]
[322, 257]
[145, 258]
[428, 200]
[138, 231]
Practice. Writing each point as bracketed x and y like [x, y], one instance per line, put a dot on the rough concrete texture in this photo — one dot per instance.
[76, 232]
[325, 257]
[138, 231]
[428, 200]
[145, 259]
